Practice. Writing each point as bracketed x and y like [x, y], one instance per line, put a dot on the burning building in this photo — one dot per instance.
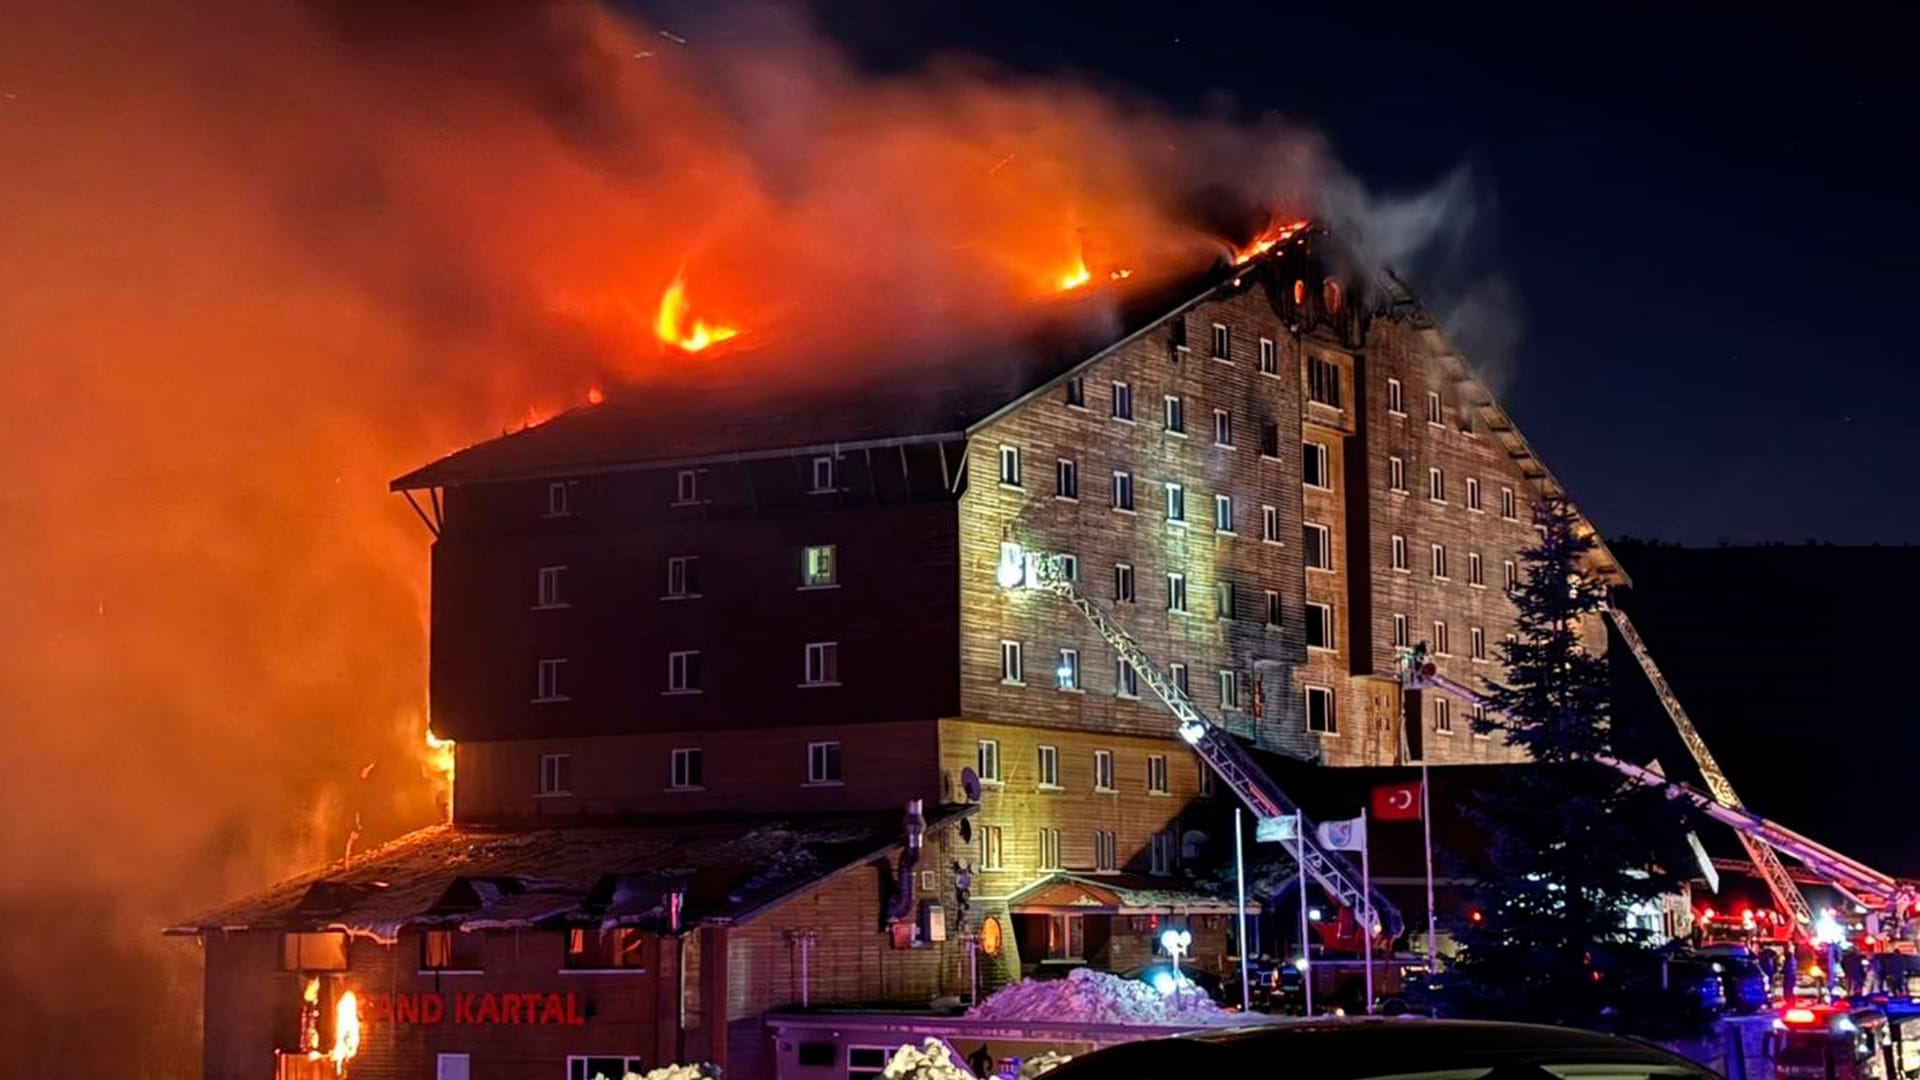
[696, 649]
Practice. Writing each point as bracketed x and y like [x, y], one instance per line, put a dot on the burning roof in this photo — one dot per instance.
[482, 879]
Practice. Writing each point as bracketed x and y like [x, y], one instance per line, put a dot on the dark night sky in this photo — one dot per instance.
[1710, 220]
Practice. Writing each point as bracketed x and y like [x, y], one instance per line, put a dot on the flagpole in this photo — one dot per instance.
[1300, 866]
[1426, 826]
[1240, 875]
[1366, 894]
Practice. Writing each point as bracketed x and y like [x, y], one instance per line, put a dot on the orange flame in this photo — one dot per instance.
[1076, 277]
[1274, 236]
[595, 396]
[346, 1031]
[440, 761]
[672, 325]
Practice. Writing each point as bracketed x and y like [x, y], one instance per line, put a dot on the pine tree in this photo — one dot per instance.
[1573, 843]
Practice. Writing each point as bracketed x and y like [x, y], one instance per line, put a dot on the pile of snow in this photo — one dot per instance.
[1094, 997]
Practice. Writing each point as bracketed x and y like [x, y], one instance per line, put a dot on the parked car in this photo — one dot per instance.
[1373, 1048]
[1741, 977]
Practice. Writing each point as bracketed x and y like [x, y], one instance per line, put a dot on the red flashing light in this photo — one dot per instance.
[1799, 1015]
[1474, 917]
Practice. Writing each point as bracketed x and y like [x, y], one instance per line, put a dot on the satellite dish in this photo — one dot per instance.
[970, 783]
[966, 831]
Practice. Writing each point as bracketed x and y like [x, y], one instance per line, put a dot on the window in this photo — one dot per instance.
[1320, 714]
[988, 764]
[1206, 782]
[683, 575]
[683, 672]
[546, 683]
[560, 499]
[1156, 774]
[1269, 358]
[688, 769]
[1270, 524]
[1477, 643]
[1507, 503]
[1433, 408]
[1049, 849]
[1077, 392]
[1122, 402]
[1314, 467]
[1066, 937]
[1473, 494]
[1177, 333]
[1010, 466]
[686, 487]
[1474, 576]
[594, 949]
[990, 847]
[1319, 546]
[1126, 681]
[1440, 642]
[1123, 491]
[1323, 381]
[1396, 398]
[1222, 428]
[1437, 558]
[1319, 626]
[1399, 553]
[1226, 601]
[1477, 722]
[1436, 485]
[1176, 415]
[547, 587]
[1509, 575]
[1123, 583]
[1160, 854]
[1106, 853]
[1270, 440]
[1011, 668]
[451, 950]
[1066, 479]
[821, 666]
[1178, 672]
[1176, 503]
[1222, 342]
[1068, 673]
[318, 951]
[1400, 638]
[1273, 607]
[1397, 474]
[1103, 770]
[612, 1068]
[1177, 592]
[1049, 766]
[819, 566]
[556, 774]
[1223, 514]
[1442, 710]
[1070, 566]
[823, 763]
[1229, 691]
[823, 478]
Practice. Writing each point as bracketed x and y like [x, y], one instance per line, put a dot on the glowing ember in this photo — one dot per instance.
[1076, 277]
[673, 327]
[346, 1031]
[595, 396]
[310, 1019]
[1273, 237]
[440, 762]
[1119, 273]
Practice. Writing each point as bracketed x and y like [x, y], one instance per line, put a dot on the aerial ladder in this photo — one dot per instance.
[1230, 761]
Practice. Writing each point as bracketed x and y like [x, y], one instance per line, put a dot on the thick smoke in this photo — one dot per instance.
[262, 257]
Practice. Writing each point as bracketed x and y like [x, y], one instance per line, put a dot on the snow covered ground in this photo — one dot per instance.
[1095, 997]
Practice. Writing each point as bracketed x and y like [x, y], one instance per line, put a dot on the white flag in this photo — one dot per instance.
[1269, 830]
[1348, 835]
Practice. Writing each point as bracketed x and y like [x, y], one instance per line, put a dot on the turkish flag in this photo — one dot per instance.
[1397, 802]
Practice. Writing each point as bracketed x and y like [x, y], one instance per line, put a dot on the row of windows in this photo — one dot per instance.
[1441, 641]
[1106, 850]
[1440, 709]
[823, 479]
[1440, 568]
[1316, 472]
[1234, 690]
[819, 666]
[587, 949]
[987, 765]
[1437, 488]
[819, 569]
[687, 769]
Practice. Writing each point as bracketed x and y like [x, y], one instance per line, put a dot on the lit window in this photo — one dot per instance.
[989, 760]
[1156, 774]
[560, 499]
[1177, 592]
[683, 672]
[546, 683]
[1103, 770]
[451, 950]
[1330, 296]
[689, 769]
[1222, 342]
[547, 587]
[1269, 358]
[1123, 584]
[1473, 494]
[683, 575]
[1399, 557]
[823, 763]
[1011, 668]
[1507, 508]
[1077, 392]
[1270, 440]
[1126, 681]
[1440, 642]
[556, 774]
[1323, 381]
[1396, 398]
[1176, 415]
[1315, 468]
[1068, 673]
[1105, 851]
[1319, 546]
[597, 949]
[1396, 474]
[1400, 638]
[1436, 485]
[821, 666]
[1176, 503]
[1123, 491]
[1229, 691]
[1442, 716]
[1509, 575]
[1474, 576]
[1048, 764]
[1049, 849]
[1010, 466]
[1122, 401]
[819, 566]
[1226, 601]
[823, 478]
[1066, 938]
[990, 847]
[1222, 428]
[686, 487]
[1270, 524]
[1160, 854]
[1319, 626]
[1438, 561]
[1273, 608]
[1223, 513]
[1477, 643]
[1066, 479]
[1320, 712]
[1433, 408]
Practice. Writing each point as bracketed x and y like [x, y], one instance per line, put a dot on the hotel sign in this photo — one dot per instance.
[531, 1008]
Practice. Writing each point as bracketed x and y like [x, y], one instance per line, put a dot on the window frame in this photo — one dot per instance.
[1066, 677]
[1437, 564]
[1066, 479]
[547, 688]
[1223, 514]
[1397, 474]
[1396, 398]
[1269, 357]
[984, 749]
[1174, 415]
[546, 588]
[688, 567]
[1050, 855]
[1122, 407]
[1156, 776]
[683, 671]
[1223, 428]
[1477, 644]
[831, 482]
[1436, 485]
[1316, 541]
[809, 578]
[1397, 554]
[1442, 712]
[1009, 466]
[1222, 342]
[1126, 680]
[1124, 586]
[1476, 570]
[1046, 760]
[1103, 771]
[555, 776]
[1436, 411]
[1324, 382]
[822, 659]
[1276, 610]
[825, 756]
[1331, 725]
[687, 768]
[1176, 503]
[1509, 504]
[1402, 631]
[1473, 495]
[1322, 457]
[1013, 662]
[559, 499]
[451, 964]
[1442, 643]
[1228, 685]
[1176, 592]
[1321, 614]
[1076, 392]
[686, 487]
[1226, 600]
[992, 848]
